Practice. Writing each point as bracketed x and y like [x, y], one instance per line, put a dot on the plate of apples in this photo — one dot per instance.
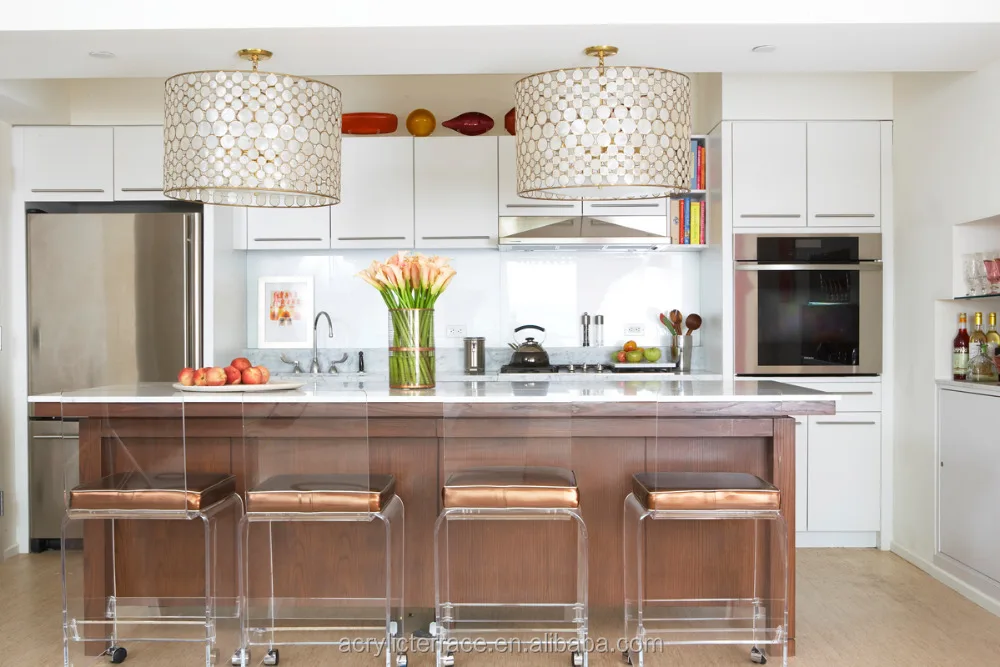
[239, 375]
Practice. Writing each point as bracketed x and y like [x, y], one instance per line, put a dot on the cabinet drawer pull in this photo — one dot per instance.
[843, 215]
[55, 437]
[371, 238]
[455, 238]
[847, 423]
[855, 393]
[288, 238]
[141, 189]
[44, 190]
[540, 205]
[770, 215]
[606, 205]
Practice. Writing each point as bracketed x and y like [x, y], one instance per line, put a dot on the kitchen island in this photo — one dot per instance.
[604, 430]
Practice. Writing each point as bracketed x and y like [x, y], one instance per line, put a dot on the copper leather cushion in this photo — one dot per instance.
[516, 486]
[322, 493]
[704, 491]
[153, 491]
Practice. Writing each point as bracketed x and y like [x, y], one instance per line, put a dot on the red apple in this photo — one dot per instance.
[216, 377]
[253, 376]
[233, 375]
[186, 377]
[240, 364]
[201, 377]
[620, 355]
[265, 374]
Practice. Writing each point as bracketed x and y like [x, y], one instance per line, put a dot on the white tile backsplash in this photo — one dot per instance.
[497, 291]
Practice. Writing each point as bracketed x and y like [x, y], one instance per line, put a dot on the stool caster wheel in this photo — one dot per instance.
[241, 658]
[576, 659]
[757, 656]
[272, 657]
[402, 660]
[448, 660]
[118, 654]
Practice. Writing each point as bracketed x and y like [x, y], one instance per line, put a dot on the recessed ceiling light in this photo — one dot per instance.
[101, 54]
[765, 48]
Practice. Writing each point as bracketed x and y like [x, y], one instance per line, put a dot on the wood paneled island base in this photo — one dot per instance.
[420, 441]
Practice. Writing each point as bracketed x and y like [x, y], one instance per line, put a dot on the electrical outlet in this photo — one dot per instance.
[455, 331]
[634, 330]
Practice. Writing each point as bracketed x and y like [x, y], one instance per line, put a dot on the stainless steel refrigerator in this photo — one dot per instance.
[113, 298]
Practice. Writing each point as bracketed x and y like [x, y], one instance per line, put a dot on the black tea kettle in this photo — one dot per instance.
[528, 353]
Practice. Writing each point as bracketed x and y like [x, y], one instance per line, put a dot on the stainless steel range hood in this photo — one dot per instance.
[584, 233]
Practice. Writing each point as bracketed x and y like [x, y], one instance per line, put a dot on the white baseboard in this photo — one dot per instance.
[10, 552]
[817, 540]
[951, 579]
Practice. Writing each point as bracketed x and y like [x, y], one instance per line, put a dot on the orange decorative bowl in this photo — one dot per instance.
[369, 123]
[420, 123]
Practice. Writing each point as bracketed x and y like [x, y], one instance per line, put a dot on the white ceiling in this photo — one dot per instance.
[504, 49]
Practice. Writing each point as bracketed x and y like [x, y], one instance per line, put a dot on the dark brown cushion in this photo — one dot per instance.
[322, 493]
[704, 491]
[516, 486]
[153, 491]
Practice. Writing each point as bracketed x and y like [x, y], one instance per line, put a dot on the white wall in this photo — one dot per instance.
[8, 539]
[947, 140]
[496, 291]
[854, 96]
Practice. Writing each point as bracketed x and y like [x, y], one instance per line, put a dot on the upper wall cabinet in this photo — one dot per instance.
[513, 205]
[455, 192]
[288, 228]
[376, 187]
[139, 163]
[845, 182]
[69, 163]
[769, 174]
[627, 207]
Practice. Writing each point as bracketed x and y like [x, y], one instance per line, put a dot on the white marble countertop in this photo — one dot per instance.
[985, 388]
[585, 391]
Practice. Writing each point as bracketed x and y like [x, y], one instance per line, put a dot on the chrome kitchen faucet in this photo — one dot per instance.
[314, 366]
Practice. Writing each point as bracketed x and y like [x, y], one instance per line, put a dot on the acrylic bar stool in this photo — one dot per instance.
[144, 479]
[507, 493]
[349, 494]
[756, 621]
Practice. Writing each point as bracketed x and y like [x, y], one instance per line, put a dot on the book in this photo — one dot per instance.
[701, 167]
[695, 223]
[694, 164]
[687, 222]
[702, 224]
[675, 221]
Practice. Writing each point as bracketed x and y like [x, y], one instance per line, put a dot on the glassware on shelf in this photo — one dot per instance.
[982, 281]
[969, 273]
[993, 273]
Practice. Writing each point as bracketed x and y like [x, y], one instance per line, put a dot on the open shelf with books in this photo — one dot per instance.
[689, 213]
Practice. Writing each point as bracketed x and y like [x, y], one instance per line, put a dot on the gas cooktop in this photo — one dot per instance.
[579, 368]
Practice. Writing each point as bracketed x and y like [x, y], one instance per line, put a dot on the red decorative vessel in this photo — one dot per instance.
[369, 123]
[509, 122]
[470, 123]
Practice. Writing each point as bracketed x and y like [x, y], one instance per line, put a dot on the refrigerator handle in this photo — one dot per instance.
[193, 290]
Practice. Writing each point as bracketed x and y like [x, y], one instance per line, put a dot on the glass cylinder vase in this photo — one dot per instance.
[411, 348]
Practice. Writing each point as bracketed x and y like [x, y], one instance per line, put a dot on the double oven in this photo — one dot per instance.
[808, 305]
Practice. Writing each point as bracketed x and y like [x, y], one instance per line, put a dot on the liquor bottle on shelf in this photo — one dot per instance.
[960, 351]
[981, 367]
[977, 336]
[992, 337]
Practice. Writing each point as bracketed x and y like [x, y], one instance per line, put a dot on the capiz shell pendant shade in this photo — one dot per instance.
[603, 133]
[252, 138]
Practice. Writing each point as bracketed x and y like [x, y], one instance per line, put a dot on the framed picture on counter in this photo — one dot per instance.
[285, 311]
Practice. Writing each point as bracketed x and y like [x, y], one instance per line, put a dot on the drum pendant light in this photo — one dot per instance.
[249, 138]
[603, 133]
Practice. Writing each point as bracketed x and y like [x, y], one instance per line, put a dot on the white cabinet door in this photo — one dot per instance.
[288, 229]
[845, 472]
[801, 474]
[376, 194]
[139, 163]
[845, 173]
[968, 472]
[769, 174]
[637, 207]
[513, 205]
[69, 163]
[455, 192]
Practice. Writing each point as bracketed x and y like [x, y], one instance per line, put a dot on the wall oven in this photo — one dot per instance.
[808, 305]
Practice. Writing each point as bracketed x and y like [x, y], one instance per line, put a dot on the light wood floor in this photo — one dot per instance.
[856, 608]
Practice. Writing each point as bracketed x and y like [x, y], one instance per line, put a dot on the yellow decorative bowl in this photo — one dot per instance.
[420, 123]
